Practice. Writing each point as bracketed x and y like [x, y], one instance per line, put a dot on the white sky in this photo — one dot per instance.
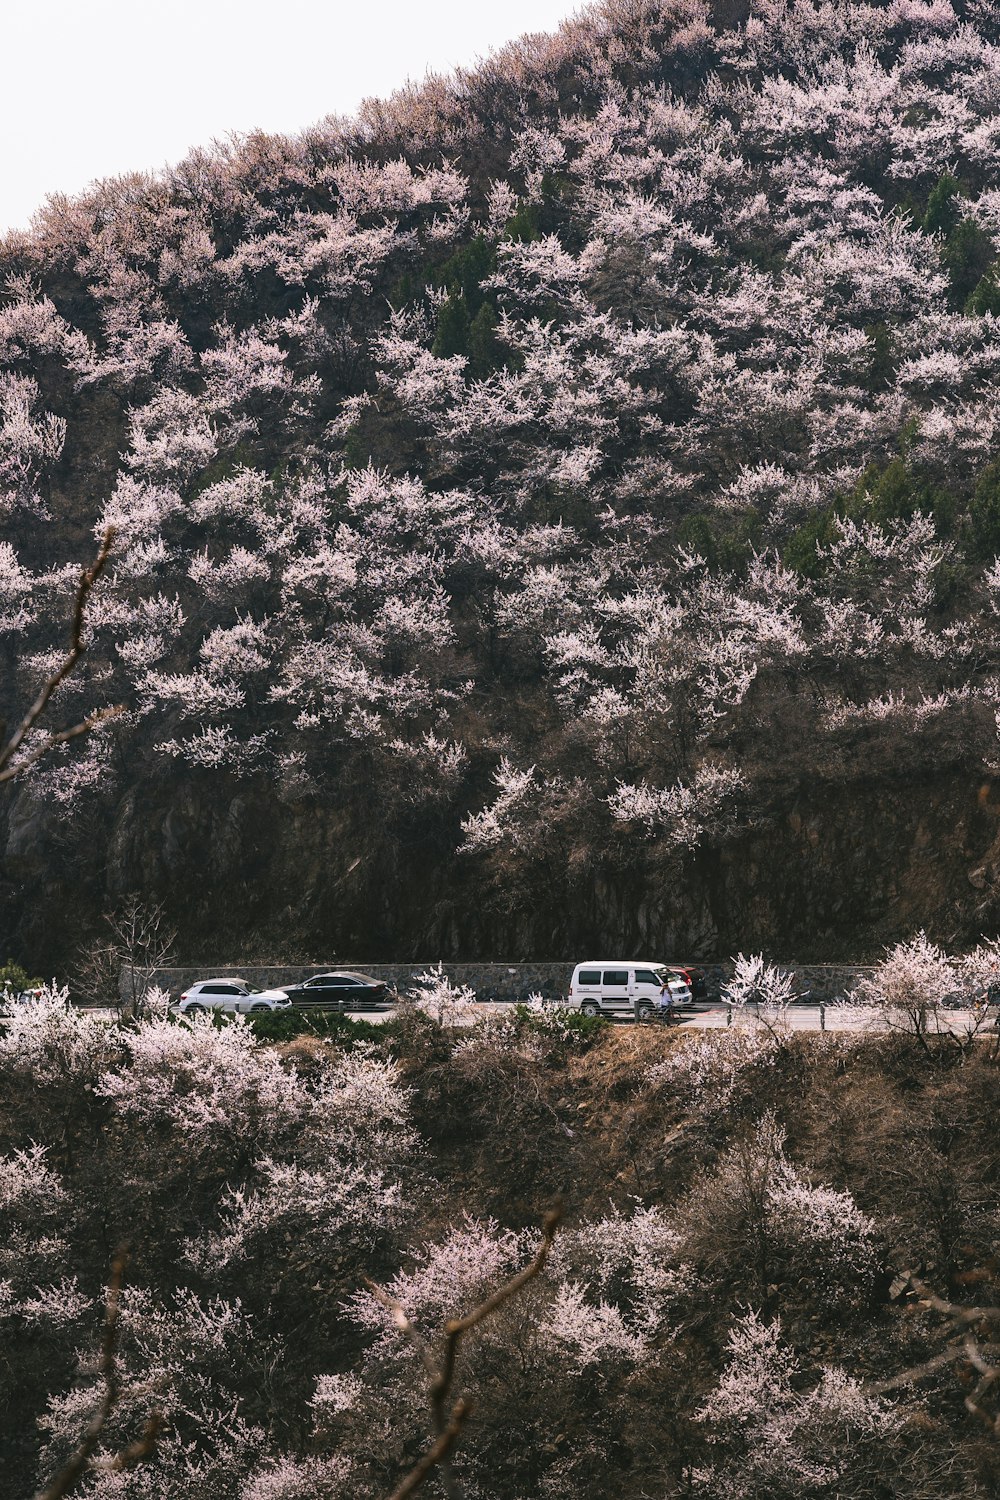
[94, 88]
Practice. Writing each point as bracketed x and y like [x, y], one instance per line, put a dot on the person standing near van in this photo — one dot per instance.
[666, 1001]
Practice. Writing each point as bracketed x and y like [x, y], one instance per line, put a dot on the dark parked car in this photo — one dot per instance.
[344, 989]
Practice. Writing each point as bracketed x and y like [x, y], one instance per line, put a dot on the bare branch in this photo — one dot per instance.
[140, 945]
[77, 647]
[434, 1455]
[100, 716]
[128, 1457]
[954, 1310]
[962, 1345]
[918, 1372]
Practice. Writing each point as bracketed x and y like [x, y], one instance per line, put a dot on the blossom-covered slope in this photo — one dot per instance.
[559, 506]
[713, 1320]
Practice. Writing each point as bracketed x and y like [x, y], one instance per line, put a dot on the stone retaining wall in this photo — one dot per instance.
[508, 981]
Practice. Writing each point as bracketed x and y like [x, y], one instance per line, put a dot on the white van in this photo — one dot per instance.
[622, 987]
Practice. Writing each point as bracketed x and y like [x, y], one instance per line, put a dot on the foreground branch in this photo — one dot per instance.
[70, 1476]
[964, 1343]
[77, 646]
[435, 1455]
[448, 1426]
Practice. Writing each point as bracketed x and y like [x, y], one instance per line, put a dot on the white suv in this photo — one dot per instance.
[623, 987]
[233, 995]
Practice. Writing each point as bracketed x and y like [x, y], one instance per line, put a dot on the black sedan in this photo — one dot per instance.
[345, 989]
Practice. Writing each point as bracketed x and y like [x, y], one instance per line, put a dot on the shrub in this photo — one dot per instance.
[536, 1029]
[756, 1224]
[755, 982]
[777, 1441]
[716, 1071]
[566, 1027]
[14, 979]
[285, 1025]
[433, 995]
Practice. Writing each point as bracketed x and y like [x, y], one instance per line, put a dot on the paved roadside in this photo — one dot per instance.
[713, 1017]
[828, 1018]
[718, 1017]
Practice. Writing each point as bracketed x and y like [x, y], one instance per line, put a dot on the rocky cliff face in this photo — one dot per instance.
[837, 872]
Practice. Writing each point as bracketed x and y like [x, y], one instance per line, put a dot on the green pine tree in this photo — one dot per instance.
[966, 256]
[942, 215]
[452, 335]
[986, 297]
[485, 350]
[465, 272]
[983, 540]
[524, 224]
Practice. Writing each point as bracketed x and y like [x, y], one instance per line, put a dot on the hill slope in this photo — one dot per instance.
[720, 1309]
[558, 507]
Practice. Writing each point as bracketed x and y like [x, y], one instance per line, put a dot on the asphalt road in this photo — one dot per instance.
[711, 1017]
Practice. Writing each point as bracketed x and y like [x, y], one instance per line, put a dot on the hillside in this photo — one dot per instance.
[725, 1313]
[558, 508]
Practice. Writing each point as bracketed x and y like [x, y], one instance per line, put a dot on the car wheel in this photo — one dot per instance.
[259, 1010]
[195, 1010]
[643, 1010]
[590, 1008]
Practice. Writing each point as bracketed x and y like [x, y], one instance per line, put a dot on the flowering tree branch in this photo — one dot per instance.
[448, 1426]
[69, 1477]
[77, 646]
